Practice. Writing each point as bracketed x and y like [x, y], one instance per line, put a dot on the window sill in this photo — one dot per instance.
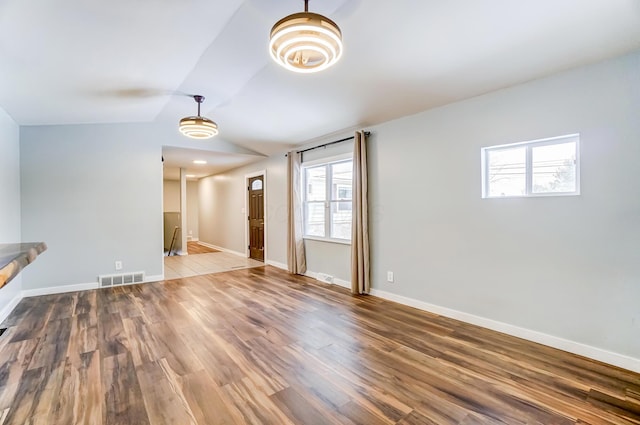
[329, 240]
[534, 195]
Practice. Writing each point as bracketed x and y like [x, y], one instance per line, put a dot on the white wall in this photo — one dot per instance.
[171, 202]
[221, 219]
[93, 193]
[192, 210]
[328, 257]
[10, 201]
[171, 195]
[222, 222]
[568, 267]
[564, 266]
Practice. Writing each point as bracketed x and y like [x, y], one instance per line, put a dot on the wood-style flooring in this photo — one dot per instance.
[259, 346]
[193, 247]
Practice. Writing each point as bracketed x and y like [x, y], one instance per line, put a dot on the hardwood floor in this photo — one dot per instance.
[258, 346]
[195, 248]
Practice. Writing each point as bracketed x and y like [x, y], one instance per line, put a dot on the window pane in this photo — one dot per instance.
[316, 181]
[341, 220]
[506, 176]
[554, 168]
[256, 185]
[341, 180]
[327, 200]
[314, 219]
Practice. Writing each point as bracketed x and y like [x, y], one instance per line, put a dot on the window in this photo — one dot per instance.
[327, 200]
[256, 185]
[538, 168]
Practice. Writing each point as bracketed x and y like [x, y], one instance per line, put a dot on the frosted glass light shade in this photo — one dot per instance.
[198, 127]
[306, 42]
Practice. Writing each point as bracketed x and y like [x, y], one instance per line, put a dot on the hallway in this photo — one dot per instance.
[203, 260]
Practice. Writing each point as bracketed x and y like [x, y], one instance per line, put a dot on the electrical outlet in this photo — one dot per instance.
[118, 265]
[390, 276]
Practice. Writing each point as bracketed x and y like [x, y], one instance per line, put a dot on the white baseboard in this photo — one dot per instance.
[312, 275]
[620, 360]
[277, 264]
[155, 278]
[343, 283]
[309, 273]
[219, 248]
[335, 281]
[59, 289]
[6, 311]
[50, 290]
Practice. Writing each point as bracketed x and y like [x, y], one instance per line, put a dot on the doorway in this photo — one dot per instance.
[256, 216]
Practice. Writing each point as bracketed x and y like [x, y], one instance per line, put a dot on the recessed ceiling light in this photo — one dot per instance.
[190, 176]
[199, 162]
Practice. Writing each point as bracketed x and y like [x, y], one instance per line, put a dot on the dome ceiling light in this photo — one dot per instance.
[306, 42]
[198, 127]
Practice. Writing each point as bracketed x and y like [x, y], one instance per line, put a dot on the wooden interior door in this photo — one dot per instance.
[256, 218]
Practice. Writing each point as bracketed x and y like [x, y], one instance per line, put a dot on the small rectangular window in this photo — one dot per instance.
[538, 168]
[327, 200]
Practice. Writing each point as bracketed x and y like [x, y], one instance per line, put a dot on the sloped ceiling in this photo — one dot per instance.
[115, 61]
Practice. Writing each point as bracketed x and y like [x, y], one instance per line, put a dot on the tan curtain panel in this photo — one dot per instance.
[360, 283]
[296, 260]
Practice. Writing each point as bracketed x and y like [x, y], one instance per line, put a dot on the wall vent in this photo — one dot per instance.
[323, 277]
[108, 280]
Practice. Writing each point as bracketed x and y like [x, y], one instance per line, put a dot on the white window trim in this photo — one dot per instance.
[529, 166]
[314, 163]
[330, 240]
[327, 160]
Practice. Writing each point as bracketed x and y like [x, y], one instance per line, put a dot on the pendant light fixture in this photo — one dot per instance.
[198, 127]
[306, 42]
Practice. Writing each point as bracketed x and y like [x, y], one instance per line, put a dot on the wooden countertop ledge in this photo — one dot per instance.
[16, 256]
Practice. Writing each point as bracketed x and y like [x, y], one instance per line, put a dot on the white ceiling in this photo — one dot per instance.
[81, 61]
[215, 162]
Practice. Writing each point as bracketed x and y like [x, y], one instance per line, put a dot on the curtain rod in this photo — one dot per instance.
[324, 145]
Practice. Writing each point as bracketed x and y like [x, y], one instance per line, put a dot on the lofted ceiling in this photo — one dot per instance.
[117, 61]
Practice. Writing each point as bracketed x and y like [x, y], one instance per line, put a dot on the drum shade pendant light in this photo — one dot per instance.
[198, 127]
[306, 42]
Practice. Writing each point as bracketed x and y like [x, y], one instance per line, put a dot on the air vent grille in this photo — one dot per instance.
[323, 277]
[108, 280]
